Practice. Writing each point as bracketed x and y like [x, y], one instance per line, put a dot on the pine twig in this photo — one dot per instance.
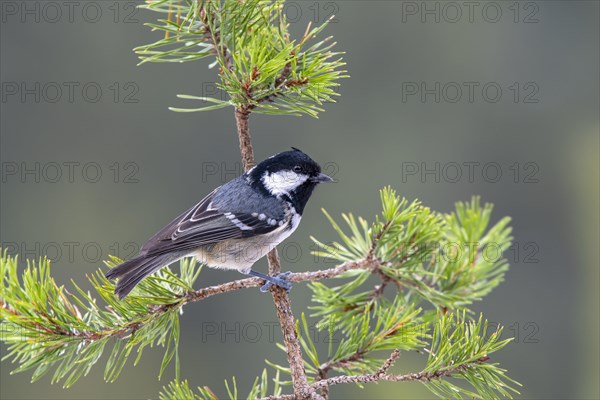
[246, 150]
[294, 277]
[378, 376]
[156, 312]
[381, 375]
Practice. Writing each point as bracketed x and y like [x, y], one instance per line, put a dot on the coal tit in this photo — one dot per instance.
[235, 225]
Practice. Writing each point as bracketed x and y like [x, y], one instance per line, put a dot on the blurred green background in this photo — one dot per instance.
[533, 149]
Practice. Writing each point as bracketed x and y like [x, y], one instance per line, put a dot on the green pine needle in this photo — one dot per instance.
[261, 68]
[47, 328]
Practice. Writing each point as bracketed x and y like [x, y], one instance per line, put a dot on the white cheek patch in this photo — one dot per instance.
[283, 182]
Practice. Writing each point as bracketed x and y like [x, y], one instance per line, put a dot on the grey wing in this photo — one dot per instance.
[166, 232]
[203, 225]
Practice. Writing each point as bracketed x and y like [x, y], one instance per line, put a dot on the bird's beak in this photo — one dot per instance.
[321, 178]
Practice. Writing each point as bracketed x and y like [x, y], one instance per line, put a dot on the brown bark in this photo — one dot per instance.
[246, 150]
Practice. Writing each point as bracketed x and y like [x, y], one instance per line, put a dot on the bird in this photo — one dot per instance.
[235, 225]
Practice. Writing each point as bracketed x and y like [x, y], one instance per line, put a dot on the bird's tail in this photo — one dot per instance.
[131, 272]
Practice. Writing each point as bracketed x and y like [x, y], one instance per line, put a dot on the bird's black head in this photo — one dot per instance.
[292, 175]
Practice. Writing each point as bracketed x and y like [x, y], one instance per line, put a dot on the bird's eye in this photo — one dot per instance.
[297, 169]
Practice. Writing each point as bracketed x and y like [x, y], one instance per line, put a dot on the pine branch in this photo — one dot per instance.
[261, 68]
[294, 277]
[476, 368]
[287, 323]
[382, 376]
[179, 390]
[453, 353]
[41, 313]
[56, 316]
[407, 248]
[46, 326]
[243, 130]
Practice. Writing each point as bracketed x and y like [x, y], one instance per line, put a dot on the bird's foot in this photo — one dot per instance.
[278, 280]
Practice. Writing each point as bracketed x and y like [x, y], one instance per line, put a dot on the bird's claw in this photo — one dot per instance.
[278, 280]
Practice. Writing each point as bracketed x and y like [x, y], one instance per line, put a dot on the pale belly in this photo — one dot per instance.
[241, 254]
